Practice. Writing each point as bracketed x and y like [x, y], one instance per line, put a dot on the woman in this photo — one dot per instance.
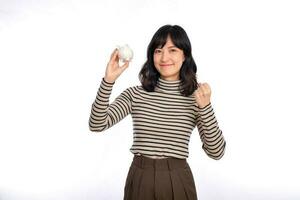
[165, 109]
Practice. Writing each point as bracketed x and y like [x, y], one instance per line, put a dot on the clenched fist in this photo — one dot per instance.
[202, 94]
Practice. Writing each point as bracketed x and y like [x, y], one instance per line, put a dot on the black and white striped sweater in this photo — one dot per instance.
[163, 120]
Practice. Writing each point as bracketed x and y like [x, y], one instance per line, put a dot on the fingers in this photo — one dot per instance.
[204, 88]
[125, 65]
[114, 54]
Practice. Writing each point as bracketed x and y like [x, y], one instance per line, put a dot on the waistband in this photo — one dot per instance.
[159, 164]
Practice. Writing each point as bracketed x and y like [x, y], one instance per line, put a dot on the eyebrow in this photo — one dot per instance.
[168, 47]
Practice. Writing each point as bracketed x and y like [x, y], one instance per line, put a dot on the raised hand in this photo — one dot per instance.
[113, 69]
[203, 94]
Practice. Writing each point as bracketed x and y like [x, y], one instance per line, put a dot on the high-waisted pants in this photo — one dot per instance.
[159, 179]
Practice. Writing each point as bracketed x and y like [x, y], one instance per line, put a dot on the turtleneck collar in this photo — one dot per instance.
[167, 86]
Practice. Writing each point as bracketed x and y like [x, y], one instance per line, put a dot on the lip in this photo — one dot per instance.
[165, 65]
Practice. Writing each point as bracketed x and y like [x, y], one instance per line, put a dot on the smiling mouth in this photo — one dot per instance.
[166, 65]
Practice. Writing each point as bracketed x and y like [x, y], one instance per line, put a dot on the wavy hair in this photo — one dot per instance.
[148, 75]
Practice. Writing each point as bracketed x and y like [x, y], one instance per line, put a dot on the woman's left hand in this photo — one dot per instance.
[202, 94]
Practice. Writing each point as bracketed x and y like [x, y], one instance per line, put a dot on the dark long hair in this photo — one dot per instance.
[148, 75]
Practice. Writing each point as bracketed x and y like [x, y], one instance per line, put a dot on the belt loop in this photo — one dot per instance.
[169, 164]
[142, 162]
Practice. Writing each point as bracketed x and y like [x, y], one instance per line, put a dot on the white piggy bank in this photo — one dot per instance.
[125, 53]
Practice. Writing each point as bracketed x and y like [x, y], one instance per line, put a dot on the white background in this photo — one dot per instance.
[53, 56]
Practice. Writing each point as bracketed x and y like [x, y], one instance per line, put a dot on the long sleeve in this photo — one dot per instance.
[104, 115]
[210, 133]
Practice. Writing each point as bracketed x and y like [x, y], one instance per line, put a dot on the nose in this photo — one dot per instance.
[164, 56]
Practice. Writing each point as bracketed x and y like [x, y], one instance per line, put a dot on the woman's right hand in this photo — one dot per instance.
[113, 69]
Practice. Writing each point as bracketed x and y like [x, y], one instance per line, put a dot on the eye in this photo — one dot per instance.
[157, 51]
[173, 50]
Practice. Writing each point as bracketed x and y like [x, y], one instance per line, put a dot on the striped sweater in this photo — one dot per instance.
[163, 120]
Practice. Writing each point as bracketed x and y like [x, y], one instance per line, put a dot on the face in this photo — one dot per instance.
[168, 60]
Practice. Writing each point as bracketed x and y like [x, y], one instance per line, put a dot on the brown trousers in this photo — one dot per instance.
[159, 179]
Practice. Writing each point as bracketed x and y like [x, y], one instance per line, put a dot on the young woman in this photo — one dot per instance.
[165, 109]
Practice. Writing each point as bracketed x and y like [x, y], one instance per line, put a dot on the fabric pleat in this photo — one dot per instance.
[188, 183]
[128, 185]
[137, 183]
[163, 185]
[178, 187]
[146, 187]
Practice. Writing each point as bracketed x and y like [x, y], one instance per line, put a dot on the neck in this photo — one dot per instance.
[168, 86]
[169, 78]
